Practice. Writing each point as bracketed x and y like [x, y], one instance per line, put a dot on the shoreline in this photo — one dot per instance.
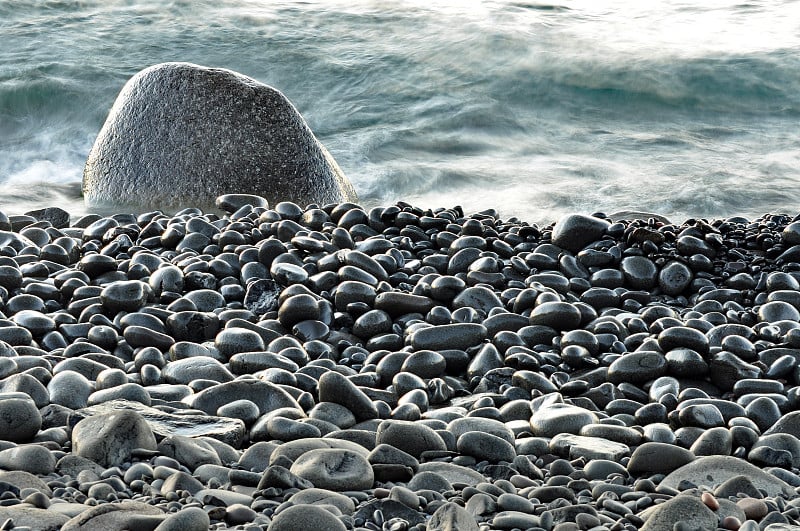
[399, 368]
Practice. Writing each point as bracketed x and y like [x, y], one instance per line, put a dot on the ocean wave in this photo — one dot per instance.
[754, 84]
[538, 107]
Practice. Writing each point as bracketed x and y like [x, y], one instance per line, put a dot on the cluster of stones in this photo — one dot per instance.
[396, 369]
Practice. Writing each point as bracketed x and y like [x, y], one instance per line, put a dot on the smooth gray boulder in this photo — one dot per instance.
[180, 135]
[109, 439]
[714, 470]
[685, 509]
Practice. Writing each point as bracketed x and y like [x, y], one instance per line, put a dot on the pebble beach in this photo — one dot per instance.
[277, 367]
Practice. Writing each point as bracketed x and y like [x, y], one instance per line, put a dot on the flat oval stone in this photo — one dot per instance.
[556, 315]
[10, 277]
[425, 364]
[714, 441]
[334, 469]
[205, 300]
[763, 411]
[453, 473]
[637, 367]
[720, 332]
[396, 303]
[125, 296]
[602, 469]
[658, 458]
[283, 429]
[477, 297]
[685, 363]
[702, 416]
[778, 311]
[462, 426]
[445, 288]
[557, 418]
[252, 362]
[298, 308]
[353, 291]
[450, 336]
[267, 396]
[683, 337]
[166, 278]
[15, 335]
[232, 202]
[372, 323]
[37, 323]
[127, 391]
[515, 519]
[232, 341]
[485, 446]
[139, 336]
[185, 370]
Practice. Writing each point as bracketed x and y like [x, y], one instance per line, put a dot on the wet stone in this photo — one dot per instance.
[298, 308]
[451, 336]
[778, 311]
[542, 377]
[397, 303]
[674, 278]
[639, 272]
[479, 298]
[557, 315]
[637, 367]
[127, 296]
[573, 232]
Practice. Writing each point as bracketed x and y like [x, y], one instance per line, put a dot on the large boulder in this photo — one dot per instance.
[181, 135]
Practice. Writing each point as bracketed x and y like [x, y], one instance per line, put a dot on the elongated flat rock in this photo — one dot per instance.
[451, 336]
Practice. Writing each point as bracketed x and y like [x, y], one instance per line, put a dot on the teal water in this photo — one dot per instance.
[687, 109]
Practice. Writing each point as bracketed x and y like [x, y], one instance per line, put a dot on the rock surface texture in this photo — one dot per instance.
[180, 135]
